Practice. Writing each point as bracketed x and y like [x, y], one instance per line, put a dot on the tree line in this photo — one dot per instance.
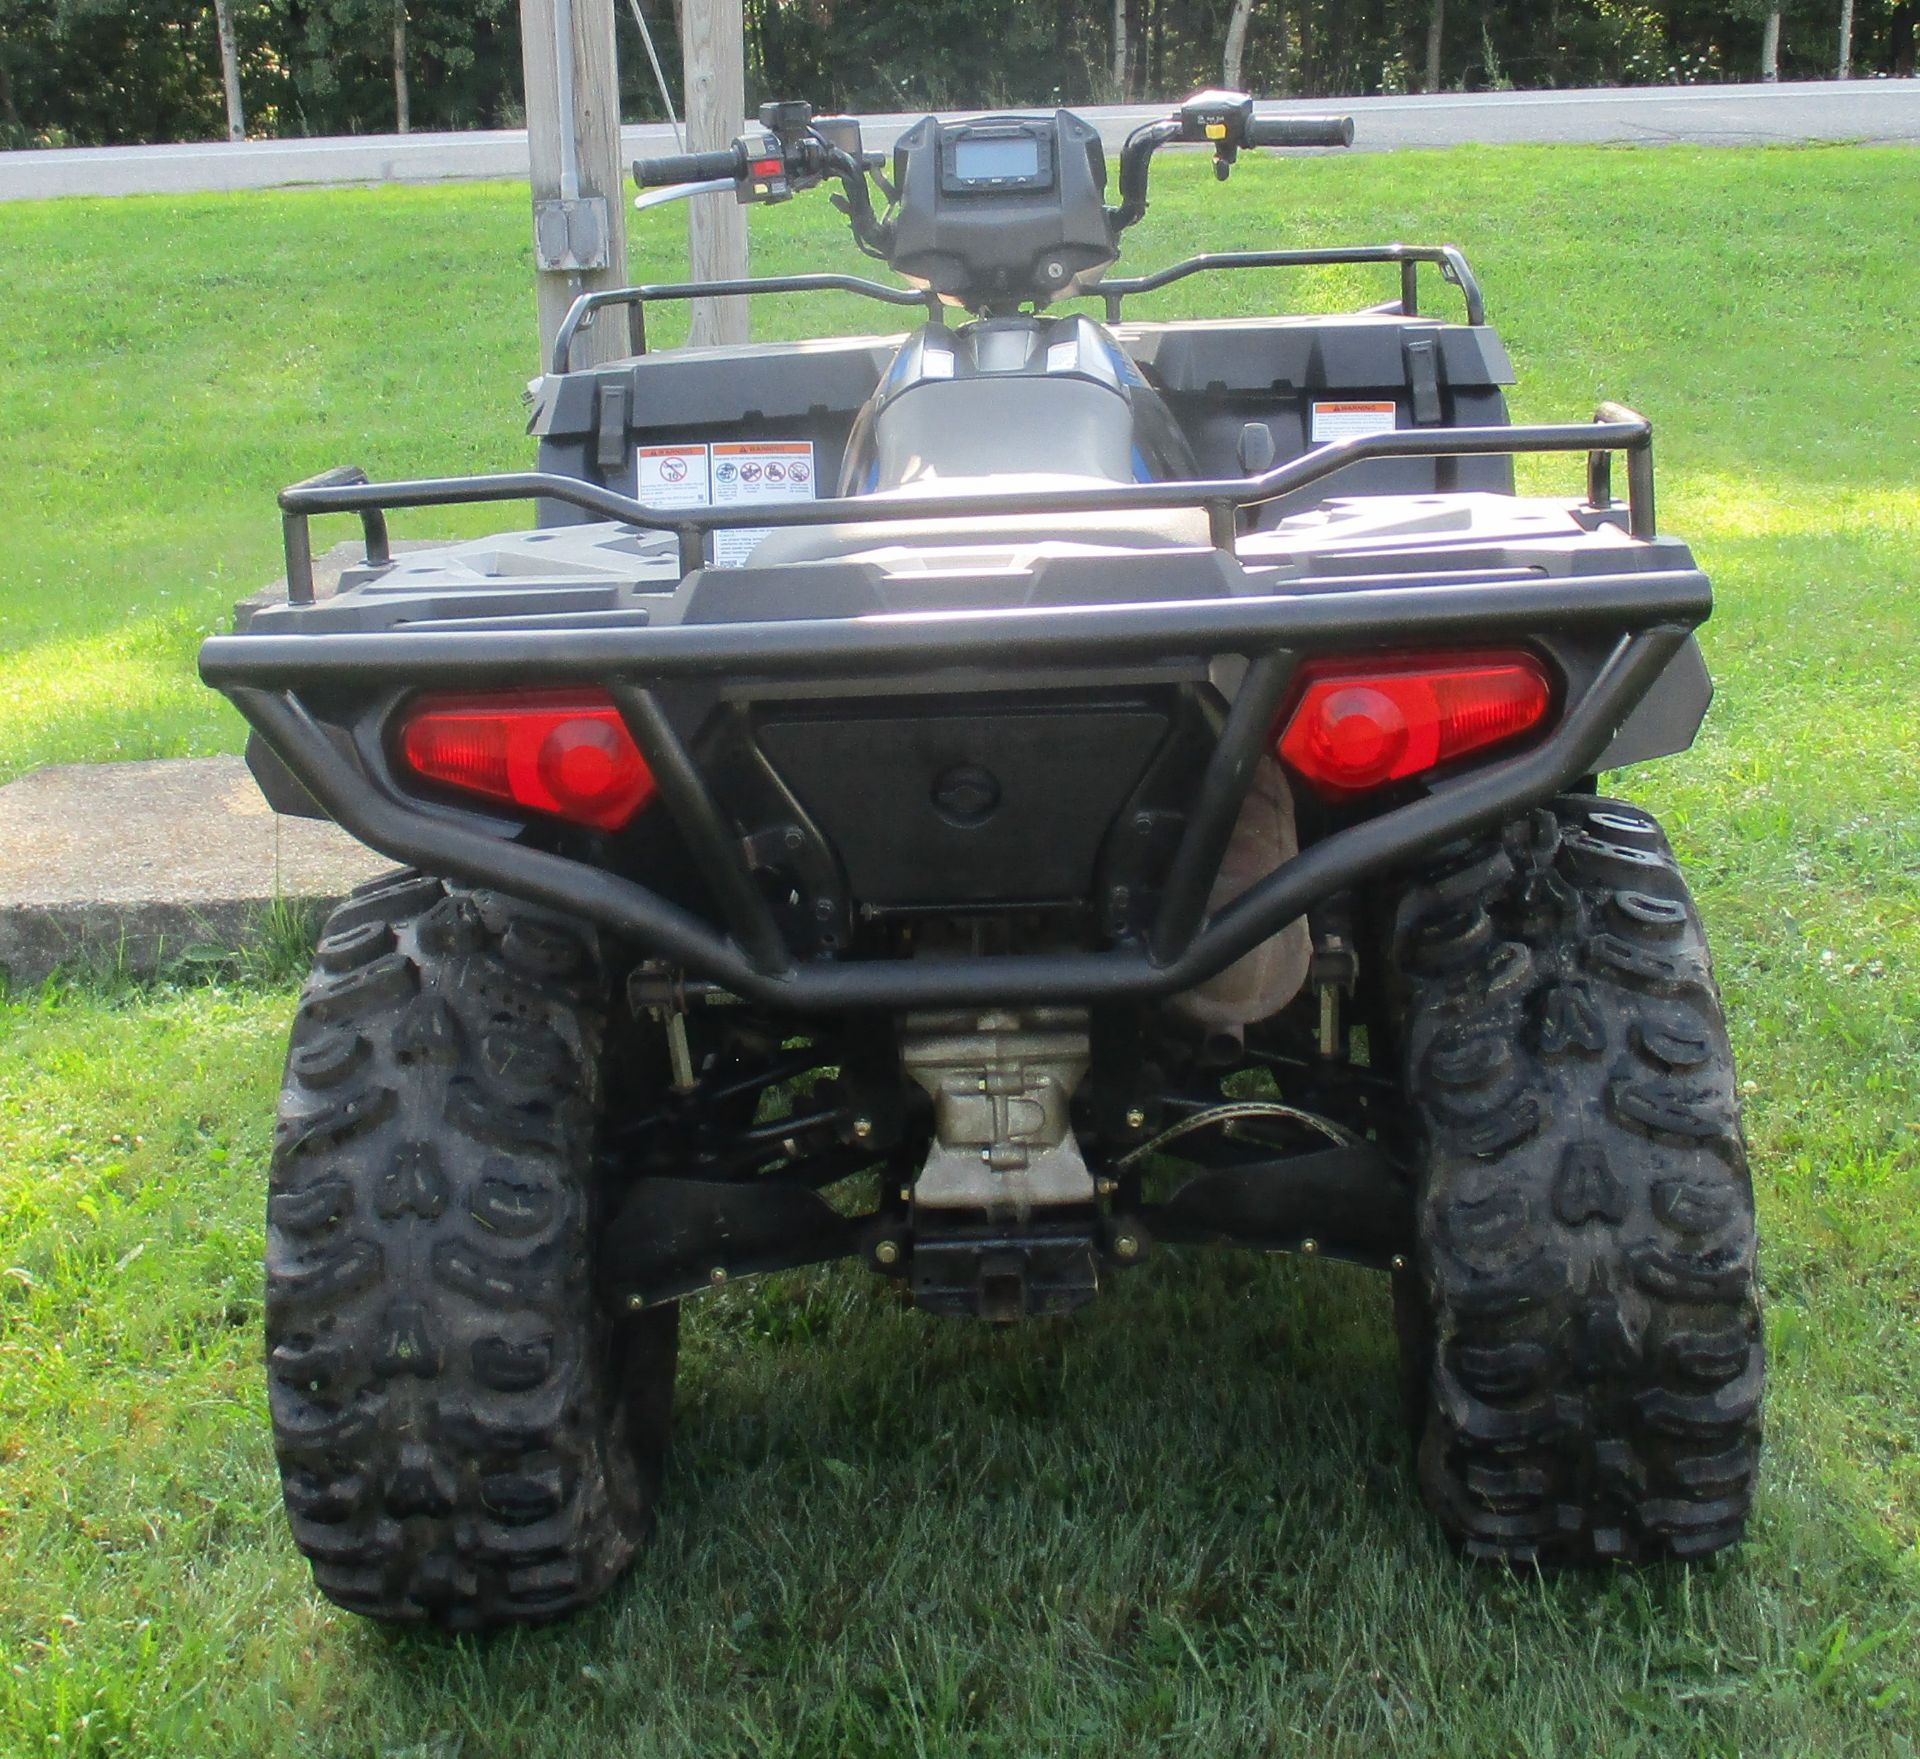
[88, 72]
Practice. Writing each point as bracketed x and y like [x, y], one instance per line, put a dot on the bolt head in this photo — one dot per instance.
[717, 1275]
[1398, 1261]
[1309, 1247]
[1106, 1187]
[1136, 1118]
[636, 1303]
[887, 1252]
[1126, 1246]
[862, 1129]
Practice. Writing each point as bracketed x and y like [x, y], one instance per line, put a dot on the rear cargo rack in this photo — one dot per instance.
[1112, 291]
[1644, 613]
[346, 490]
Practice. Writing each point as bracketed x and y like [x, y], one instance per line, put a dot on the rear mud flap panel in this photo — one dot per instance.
[1666, 719]
[278, 785]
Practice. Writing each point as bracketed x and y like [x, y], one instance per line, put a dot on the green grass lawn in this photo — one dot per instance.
[1182, 1522]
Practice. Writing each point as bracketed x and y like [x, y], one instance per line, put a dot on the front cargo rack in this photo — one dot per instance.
[1112, 291]
[1614, 428]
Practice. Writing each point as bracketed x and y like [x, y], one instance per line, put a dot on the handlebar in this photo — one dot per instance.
[687, 168]
[1300, 131]
[797, 151]
[794, 151]
[1226, 122]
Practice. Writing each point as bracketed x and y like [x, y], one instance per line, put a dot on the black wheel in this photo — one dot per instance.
[1583, 1318]
[464, 1436]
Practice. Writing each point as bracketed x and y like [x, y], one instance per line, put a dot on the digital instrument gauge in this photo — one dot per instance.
[981, 158]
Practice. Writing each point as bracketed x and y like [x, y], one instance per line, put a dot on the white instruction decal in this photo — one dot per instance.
[673, 476]
[746, 471]
[1345, 421]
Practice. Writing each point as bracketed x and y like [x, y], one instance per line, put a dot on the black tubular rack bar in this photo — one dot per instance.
[1616, 429]
[373, 527]
[1112, 291]
[1650, 614]
[1452, 265]
[637, 299]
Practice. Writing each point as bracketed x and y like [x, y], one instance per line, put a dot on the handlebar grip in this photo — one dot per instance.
[686, 168]
[1300, 131]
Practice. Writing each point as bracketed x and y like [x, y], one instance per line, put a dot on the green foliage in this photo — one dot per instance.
[932, 54]
[76, 72]
[334, 59]
[104, 71]
[87, 71]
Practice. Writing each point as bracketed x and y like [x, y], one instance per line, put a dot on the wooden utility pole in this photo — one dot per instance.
[713, 44]
[402, 102]
[573, 153]
[1436, 30]
[1770, 47]
[1236, 49]
[230, 68]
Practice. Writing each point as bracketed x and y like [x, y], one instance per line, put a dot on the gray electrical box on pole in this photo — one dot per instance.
[713, 43]
[573, 152]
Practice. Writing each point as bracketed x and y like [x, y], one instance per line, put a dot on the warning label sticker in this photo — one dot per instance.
[753, 471]
[1344, 421]
[673, 476]
[728, 473]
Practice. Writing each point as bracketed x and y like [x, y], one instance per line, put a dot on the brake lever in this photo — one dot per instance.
[680, 192]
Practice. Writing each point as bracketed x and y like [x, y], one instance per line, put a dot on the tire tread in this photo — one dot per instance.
[1589, 1337]
[464, 1439]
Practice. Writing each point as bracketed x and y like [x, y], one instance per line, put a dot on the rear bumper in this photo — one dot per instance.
[1641, 618]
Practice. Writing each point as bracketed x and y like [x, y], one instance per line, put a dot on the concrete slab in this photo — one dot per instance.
[143, 864]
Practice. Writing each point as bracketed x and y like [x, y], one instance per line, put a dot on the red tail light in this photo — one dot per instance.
[1361, 723]
[566, 752]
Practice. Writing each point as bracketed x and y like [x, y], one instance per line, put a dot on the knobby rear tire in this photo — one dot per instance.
[1582, 1328]
[464, 1437]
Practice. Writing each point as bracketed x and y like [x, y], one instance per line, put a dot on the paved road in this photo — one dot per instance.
[1866, 110]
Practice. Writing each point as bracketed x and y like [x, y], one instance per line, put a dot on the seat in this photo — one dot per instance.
[886, 540]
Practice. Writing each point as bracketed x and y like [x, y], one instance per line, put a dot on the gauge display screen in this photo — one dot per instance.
[991, 160]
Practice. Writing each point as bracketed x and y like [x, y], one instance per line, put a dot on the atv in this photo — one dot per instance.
[996, 803]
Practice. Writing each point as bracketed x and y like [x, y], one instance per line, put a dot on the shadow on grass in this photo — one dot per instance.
[1186, 1515]
[844, 1469]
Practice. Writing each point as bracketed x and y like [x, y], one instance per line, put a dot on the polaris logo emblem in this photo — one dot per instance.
[966, 795]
